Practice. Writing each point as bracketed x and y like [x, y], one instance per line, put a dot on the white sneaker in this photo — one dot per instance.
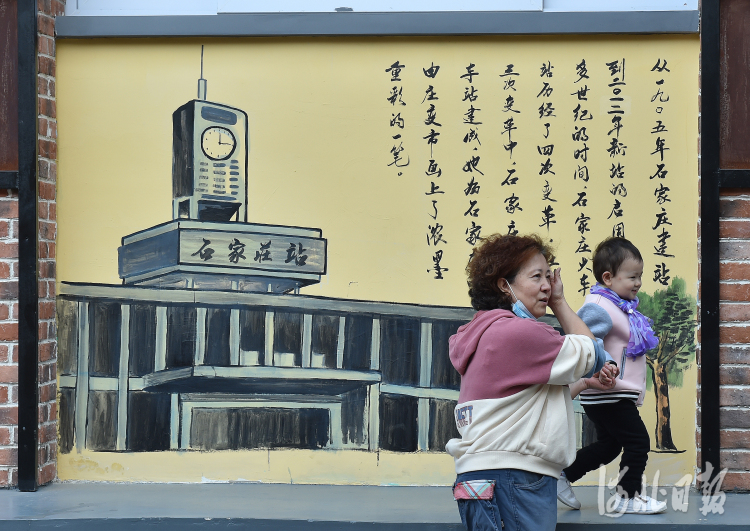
[565, 493]
[640, 504]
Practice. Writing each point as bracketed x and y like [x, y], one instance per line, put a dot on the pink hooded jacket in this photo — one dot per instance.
[514, 407]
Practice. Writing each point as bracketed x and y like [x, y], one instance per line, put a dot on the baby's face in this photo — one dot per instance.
[627, 281]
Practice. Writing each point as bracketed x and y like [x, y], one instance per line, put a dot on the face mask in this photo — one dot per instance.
[519, 308]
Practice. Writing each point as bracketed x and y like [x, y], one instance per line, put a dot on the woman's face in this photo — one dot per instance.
[531, 285]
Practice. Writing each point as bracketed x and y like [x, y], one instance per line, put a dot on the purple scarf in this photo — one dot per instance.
[642, 336]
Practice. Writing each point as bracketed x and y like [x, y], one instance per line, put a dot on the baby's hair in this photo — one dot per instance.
[611, 253]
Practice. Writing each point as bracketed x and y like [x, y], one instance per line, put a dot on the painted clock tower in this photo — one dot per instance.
[209, 160]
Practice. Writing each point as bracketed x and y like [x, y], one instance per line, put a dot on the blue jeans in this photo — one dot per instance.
[523, 501]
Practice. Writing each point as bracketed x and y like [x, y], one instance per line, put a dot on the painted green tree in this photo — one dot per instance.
[674, 313]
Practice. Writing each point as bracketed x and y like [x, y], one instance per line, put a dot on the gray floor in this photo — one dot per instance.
[255, 506]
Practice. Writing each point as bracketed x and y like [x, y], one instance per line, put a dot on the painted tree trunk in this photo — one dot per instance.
[661, 389]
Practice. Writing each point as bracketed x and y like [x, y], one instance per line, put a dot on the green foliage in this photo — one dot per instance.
[673, 312]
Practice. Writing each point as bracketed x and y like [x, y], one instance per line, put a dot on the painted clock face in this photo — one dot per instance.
[218, 143]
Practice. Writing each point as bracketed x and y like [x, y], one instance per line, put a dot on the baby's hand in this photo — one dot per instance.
[608, 373]
[605, 379]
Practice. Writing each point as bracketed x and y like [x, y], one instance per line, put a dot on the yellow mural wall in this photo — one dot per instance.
[402, 151]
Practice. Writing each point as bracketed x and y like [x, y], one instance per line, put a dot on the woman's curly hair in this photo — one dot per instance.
[500, 256]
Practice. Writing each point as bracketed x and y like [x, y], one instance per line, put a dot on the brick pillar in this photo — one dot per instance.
[8, 336]
[734, 352]
[47, 212]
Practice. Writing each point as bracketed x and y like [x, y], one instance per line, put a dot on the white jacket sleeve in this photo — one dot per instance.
[578, 357]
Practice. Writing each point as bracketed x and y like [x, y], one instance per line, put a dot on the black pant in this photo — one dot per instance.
[618, 428]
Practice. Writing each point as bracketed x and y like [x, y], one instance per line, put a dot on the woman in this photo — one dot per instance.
[514, 414]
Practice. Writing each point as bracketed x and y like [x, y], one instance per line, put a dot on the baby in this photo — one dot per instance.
[610, 313]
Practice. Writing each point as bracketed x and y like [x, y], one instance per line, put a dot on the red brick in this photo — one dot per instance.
[8, 290]
[44, 6]
[734, 312]
[4, 312]
[734, 418]
[58, 7]
[47, 191]
[47, 433]
[46, 351]
[46, 45]
[52, 171]
[8, 332]
[734, 354]
[4, 477]
[8, 457]
[734, 292]
[735, 438]
[734, 374]
[42, 88]
[4, 270]
[9, 208]
[53, 412]
[4, 436]
[734, 334]
[47, 269]
[43, 127]
[734, 396]
[734, 250]
[735, 460]
[48, 107]
[51, 286]
[8, 415]
[53, 211]
[3, 397]
[48, 473]
[47, 393]
[4, 354]
[734, 228]
[46, 310]
[8, 250]
[43, 329]
[736, 482]
[48, 372]
[47, 230]
[46, 66]
[734, 207]
[45, 25]
[47, 148]
[4, 229]
[8, 374]
[43, 210]
[734, 271]
[43, 168]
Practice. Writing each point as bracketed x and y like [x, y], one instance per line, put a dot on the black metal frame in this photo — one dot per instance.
[28, 290]
[713, 178]
[8, 179]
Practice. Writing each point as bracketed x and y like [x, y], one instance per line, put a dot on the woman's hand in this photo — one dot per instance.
[569, 321]
[556, 295]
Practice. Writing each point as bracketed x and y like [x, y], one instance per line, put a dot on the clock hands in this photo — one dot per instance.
[223, 143]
